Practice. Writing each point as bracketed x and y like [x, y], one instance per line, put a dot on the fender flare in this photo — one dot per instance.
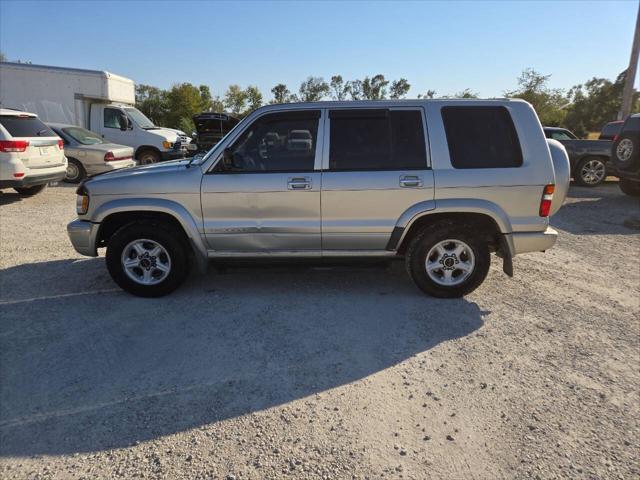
[449, 205]
[169, 207]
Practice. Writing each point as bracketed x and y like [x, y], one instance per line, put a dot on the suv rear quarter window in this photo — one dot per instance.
[25, 126]
[481, 137]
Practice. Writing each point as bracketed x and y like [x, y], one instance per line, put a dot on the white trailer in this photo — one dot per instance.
[97, 100]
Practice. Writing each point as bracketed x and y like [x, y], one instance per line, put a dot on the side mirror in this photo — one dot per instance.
[123, 120]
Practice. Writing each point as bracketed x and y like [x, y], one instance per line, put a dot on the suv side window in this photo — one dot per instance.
[363, 139]
[278, 142]
[481, 137]
[112, 118]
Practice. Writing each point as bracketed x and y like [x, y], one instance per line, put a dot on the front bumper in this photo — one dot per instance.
[83, 234]
[522, 242]
[33, 180]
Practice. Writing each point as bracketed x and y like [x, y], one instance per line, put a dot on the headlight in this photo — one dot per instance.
[82, 201]
[167, 145]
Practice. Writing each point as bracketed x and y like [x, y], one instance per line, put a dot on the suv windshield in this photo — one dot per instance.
[25, 126]
[140, 118]
[85, 137]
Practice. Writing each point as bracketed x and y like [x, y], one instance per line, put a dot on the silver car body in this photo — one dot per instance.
[326, 213]
[92, 156]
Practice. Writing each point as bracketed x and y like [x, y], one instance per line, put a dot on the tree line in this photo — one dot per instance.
[583, 108]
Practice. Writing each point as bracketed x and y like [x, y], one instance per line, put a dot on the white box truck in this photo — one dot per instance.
[99, 101]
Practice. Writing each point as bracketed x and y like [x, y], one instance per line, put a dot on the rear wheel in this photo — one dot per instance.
[590, 172]
[30, 191]
[75, 171]
[147, 157]
[630, 187]
[147, 259]
[446, 261]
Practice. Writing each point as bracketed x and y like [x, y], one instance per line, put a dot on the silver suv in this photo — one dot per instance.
[442, 183]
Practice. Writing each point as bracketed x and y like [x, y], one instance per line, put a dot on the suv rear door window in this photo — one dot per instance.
[481, 137]
[25, 126]
[363, 139]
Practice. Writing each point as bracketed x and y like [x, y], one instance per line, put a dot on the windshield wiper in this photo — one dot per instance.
[44, 130]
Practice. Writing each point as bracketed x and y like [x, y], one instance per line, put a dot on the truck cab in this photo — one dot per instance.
[126, 125]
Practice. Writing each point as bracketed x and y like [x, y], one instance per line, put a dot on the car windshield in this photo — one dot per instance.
[83, 136]
[140, 118]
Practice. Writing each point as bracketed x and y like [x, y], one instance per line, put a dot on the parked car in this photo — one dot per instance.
[99, 101]
[89, 154]
[610, 130]
[31, 155]
[589, 158]
[625, 154]
[368, 187]
[211, 127]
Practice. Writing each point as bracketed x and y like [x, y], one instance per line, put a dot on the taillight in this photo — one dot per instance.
[13, 145]
[109, 157]
[615, 138]
[547, 198]
[60, 144]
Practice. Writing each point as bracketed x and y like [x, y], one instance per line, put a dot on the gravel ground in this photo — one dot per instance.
[343, 372]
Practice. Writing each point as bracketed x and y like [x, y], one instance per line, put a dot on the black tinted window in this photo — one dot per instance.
[279, 142]
[25, 127]
[481, 137]
[610, 130]
[377, 140]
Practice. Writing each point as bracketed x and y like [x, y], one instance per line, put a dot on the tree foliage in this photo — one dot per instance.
[281, 94]
[595, 103]
[549, 103]
[399, 88]
[313, 89]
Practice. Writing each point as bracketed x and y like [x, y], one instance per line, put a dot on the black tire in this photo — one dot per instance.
[421, 244]
[625, 153]
[582, 174]
[147, 157]
[629, 187]
[30, 191]
[79, 168]
[166, 236]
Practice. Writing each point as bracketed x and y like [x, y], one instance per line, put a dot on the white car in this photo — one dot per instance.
[31, 155]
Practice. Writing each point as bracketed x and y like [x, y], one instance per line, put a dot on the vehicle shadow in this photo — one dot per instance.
[84, 373]
[7, 197]
[587, 211]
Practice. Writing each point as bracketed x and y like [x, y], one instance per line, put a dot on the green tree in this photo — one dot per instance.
[281, 94]
[313, 89]
[339, 89]
[254, 98]
[152, 102]
[235, 99]
[595, 103]
[183, 101]
[374, 88]
[399, 88]
[549, 103]
[355, 89]
[428, 94]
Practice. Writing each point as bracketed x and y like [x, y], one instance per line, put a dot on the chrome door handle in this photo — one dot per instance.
[299, 183]
[410, 181]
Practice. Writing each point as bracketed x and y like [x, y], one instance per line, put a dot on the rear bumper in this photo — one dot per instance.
[82, 234]
[33, 180]
[109, 166]
[532, 241]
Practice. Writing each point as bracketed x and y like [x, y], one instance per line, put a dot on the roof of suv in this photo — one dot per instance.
[15, 113]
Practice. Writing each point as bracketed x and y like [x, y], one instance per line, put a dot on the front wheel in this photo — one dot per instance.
[447, 261]
[590, 172]
[147, 259]
[30, 191]
[147, 157]
[629, 187]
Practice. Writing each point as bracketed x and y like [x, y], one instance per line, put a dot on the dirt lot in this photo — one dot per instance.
[345, 372]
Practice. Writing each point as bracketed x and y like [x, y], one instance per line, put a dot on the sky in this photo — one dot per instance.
[441, 46]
